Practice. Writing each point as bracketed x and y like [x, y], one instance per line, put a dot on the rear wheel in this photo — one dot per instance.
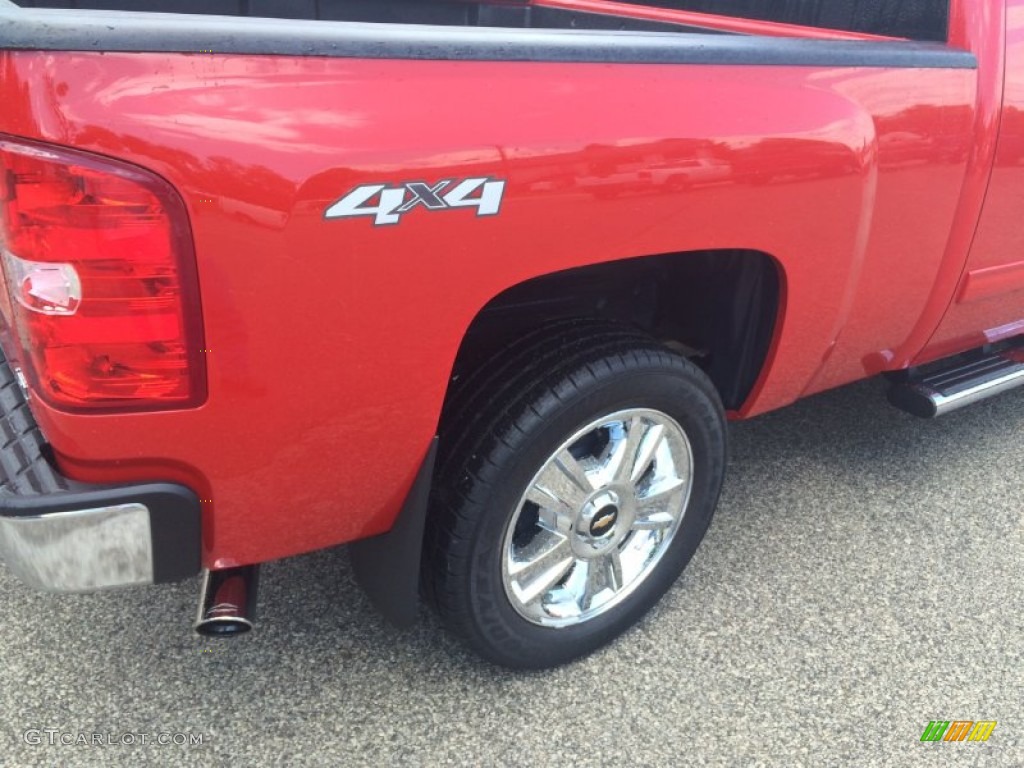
[578, 474]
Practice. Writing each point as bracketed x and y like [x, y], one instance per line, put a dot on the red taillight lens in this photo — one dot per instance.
[100, 275]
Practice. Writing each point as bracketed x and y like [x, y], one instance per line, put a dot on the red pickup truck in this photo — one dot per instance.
[475, 285]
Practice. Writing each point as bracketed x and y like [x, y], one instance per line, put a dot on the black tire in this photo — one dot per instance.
[498, 429]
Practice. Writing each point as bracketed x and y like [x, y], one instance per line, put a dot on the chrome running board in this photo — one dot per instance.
[946, 389]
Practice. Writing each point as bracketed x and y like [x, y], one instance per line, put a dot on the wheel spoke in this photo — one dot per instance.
[620, 464]
[652, 440]
[653, 522]
[613, 573]
[572, 469]
[593, 585]
[556, 514]
[534, 577]
[561, 487]
[659, 494]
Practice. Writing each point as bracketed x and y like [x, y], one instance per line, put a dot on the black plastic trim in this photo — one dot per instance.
[387, 566]
[64, 30]
[908, 399]
[560, 18]
[175, 520]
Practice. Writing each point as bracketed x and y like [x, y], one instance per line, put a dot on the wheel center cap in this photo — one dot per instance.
[604, 521]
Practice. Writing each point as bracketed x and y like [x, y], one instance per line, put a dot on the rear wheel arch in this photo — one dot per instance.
[721, 308]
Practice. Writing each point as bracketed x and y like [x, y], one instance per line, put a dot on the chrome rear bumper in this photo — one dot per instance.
[79, 550]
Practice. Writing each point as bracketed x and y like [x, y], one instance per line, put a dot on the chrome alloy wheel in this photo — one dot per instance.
[597, 517]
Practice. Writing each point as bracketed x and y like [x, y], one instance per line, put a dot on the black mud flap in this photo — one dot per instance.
[387, 566]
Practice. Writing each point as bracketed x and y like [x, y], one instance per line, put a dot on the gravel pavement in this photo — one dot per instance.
[863, 576]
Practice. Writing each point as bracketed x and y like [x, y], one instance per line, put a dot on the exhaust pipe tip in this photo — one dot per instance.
[227, 602]
[223, 626]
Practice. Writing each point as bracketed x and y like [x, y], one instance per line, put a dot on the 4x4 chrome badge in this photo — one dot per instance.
[387, 203]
